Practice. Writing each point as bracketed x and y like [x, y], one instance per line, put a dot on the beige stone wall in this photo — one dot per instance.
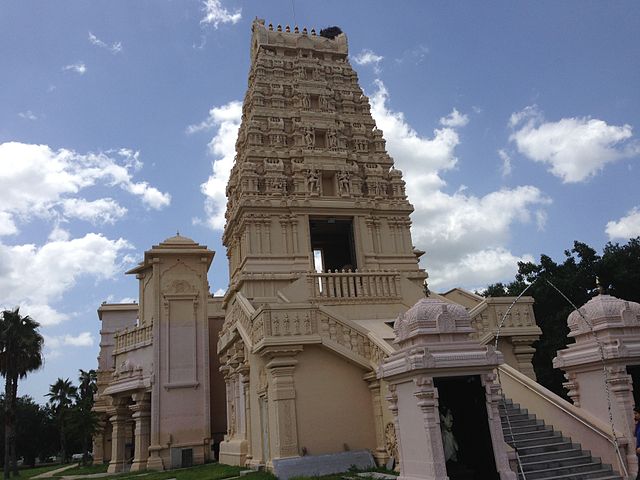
[333, 404]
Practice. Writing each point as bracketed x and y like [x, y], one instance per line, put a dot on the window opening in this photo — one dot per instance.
[332, 238]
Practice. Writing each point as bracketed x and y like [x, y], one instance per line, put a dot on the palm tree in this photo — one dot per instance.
[85, 419]
[20, 353]
[61, 396]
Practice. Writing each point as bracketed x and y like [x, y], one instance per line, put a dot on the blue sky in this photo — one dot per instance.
[515, 123]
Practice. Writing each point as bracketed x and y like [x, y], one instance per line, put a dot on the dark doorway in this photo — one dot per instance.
[634, 371]
[332, 243]
[463, 410]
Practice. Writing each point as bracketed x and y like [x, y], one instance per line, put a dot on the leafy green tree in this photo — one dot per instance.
[618, 270]
[20, 353]
[61, 398]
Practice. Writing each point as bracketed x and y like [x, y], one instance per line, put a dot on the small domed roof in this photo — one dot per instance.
[604, 309]
[432, 316]
[178, 240]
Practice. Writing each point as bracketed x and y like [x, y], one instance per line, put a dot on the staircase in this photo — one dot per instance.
[545, 453]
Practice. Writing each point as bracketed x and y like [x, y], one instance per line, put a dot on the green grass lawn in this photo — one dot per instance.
[86, 470]
[32, 472]
[210, 471]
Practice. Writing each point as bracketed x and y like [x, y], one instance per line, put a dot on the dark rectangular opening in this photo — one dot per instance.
[464, 425]
[332, 243]
[187, 457]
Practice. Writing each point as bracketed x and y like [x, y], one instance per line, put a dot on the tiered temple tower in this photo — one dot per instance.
[320, 257]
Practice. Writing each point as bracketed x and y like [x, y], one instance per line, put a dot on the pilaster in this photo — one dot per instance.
[119, 417]
[142, 416]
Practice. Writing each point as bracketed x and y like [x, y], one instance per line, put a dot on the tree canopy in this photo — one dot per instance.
[618, 272]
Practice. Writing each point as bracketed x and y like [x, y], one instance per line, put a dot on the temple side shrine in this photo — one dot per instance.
[284, 372]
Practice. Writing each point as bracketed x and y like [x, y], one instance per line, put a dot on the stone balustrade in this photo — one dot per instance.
[347, 286]
[132, 338]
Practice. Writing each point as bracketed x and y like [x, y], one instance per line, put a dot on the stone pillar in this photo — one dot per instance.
[523, 352]
[282, 396]
[244, 371]
[119, 420]
[142, 417]
[494, 397]
[380, 454]
[99, 441]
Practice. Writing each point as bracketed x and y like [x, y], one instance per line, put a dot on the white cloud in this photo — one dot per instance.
[80, 68]
[465, 236]
[574, 149]
[28, 115]
[38, 181]
[626, 227]
[37, 277]
[115, 47]
[215, 14]
[54, 346]
[84, 339]
[455, 119]
[220, 292]
[414, 55]
[222, 147]
[103, 210]
[368, 57]
[506, 163]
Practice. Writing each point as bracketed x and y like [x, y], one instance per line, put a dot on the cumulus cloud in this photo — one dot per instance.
[115, 47]
[80, 68]
[103, 210]
[39, 181]
[61, 263]
[465, 236]
[626, 227]
[455, 119]
[226, 121]
[215, 14]
[368, 57]
[575, 149]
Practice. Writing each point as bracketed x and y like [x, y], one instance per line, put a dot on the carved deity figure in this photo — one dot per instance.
[323, 102]
[306, 101]
[344, 183]
[332, 139]
[309, 137]
[449, 442]
[313, 181]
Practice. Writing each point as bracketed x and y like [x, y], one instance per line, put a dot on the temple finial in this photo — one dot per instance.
[601, 289]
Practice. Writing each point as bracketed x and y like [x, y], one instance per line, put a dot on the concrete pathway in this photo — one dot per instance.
[51, 473]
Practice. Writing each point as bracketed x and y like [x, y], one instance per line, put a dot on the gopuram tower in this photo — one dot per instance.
[321, 259]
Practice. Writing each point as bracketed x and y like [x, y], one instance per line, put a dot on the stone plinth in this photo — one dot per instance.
[436, 350]
[607, 340]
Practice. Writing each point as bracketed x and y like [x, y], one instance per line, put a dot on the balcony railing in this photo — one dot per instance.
[346, 285]
[132, 338]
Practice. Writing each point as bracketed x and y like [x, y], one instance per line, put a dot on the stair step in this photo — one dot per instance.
[544, 453]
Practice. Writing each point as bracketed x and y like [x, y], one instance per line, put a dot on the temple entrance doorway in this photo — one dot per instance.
[332, 243]
[466, 438]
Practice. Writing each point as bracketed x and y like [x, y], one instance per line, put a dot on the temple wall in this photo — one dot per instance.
[333, 404]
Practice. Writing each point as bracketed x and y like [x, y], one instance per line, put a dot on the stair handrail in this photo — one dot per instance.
[591, 423]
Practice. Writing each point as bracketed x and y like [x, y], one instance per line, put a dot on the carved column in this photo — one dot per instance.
[282, 396]
[380, 453]
[244, 372]
[99, 441]
[621, 391]
[119, 420]
[523, 351]
[142, 417]
[427, 396]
